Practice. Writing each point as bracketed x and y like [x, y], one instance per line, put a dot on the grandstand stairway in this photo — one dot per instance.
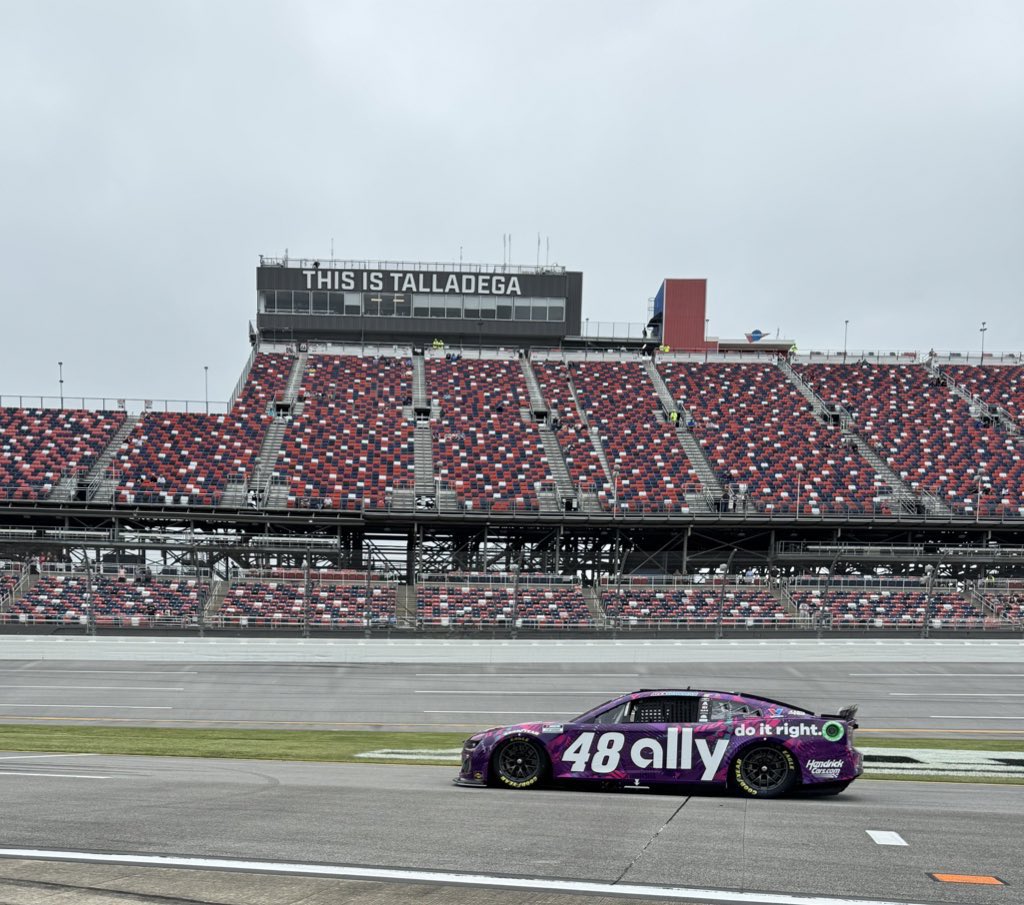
[25, 584]
[660, 387]
[708, 501]
[272, 490]
[995, 412]
[902, 495]
[274, 493]
[291, 391]
[423, 461]
[589, 500]
[405, 605]
[69, 486]
[549, 502]
[786, 601]
[817, 403]
[593, 598]
[420, 400]
[537, 403]
[215, 599]
[557, 467]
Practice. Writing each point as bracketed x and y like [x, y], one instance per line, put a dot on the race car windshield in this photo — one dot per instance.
[596, 714]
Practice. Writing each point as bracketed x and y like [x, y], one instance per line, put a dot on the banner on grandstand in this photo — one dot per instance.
[527, 285]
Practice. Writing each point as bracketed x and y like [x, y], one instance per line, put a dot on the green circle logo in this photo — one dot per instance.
[833, 730]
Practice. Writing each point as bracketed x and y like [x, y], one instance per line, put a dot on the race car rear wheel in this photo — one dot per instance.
[764, 771]
[519, 763]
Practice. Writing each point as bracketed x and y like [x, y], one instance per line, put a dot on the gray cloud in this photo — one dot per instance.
[816, 162]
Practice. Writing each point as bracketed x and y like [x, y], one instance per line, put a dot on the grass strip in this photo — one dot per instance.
[242, 744]
[337, 746]
[944, 744]
[936, 777]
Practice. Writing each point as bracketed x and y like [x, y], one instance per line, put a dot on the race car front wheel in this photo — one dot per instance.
[764, 771]
[519, 764]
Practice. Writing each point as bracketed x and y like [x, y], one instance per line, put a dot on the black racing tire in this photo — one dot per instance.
[764, 771]
[519, 763]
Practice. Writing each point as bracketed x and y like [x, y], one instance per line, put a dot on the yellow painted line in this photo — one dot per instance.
[978, 880]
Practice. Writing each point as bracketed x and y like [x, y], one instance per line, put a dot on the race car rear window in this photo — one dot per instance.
[735, 710]
[665, 710]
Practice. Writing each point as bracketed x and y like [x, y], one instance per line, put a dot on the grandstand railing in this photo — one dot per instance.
[111, 404]
[493, 578]
[429, 266]
[244, 376]
[615, 330]
[793, 625]
[631, 510]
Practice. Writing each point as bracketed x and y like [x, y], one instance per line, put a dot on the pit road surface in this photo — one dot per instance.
[412, 817]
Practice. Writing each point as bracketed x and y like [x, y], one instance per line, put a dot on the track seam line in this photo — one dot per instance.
[640, 853]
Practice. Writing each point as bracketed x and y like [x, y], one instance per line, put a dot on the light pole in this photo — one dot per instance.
[707, 321]
[615, 491]
[60, 366]
[982, 332]
[206, 387]
[846, 331]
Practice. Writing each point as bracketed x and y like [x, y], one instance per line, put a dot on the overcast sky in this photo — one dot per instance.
[815, 161]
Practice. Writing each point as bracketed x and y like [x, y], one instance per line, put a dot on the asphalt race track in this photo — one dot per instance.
[552, 846]
[966, 698]
[412, 817]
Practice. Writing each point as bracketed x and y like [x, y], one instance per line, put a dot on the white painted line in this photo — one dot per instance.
[680, 893]
[55, 775]
[498, 692]
[113, 672]
[121, 688]
[886, 837]
[92, 706]
[41, 756]
[527, 675]
[956, 694]
[972, 716]
[451, 755]
[509, 712]
[942, 675]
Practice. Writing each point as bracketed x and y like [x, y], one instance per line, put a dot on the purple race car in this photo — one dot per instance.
[753, 745]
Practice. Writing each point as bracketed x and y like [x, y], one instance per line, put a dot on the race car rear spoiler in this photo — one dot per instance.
[847, 714]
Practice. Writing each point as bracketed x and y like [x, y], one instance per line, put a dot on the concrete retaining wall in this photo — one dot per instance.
[317, 650]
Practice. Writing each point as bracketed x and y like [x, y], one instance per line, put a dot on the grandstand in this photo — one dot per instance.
[420, 448]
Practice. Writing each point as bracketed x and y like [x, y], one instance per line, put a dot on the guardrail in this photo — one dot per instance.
[626, 510]
[115, 404]
[473, 627]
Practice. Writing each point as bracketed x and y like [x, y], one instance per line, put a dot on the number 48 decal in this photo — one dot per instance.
[606, 755]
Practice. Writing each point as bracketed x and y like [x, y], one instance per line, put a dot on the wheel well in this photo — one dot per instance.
[545, 758]
[762, 743]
